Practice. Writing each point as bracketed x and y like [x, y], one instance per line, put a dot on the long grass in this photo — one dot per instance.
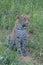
[10, 9]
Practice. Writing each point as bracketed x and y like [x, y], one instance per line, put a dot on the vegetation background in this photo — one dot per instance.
[9, 10]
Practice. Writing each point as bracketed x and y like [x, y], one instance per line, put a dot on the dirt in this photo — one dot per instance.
[26, 59]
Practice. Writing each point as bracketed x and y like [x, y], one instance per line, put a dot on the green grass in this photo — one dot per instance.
[7, 21]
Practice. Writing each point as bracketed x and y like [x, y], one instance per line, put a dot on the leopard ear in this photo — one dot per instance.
[28, 17]
[18, 17]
